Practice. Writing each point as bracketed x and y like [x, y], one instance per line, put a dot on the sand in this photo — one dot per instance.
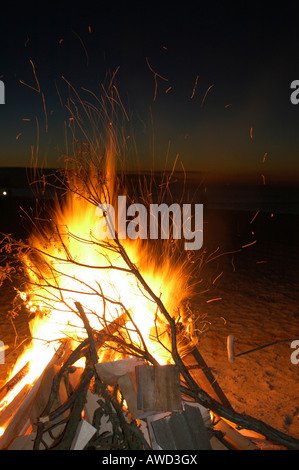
[258, 303]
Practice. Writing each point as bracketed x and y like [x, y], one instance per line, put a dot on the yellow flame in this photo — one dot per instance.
[67, 267]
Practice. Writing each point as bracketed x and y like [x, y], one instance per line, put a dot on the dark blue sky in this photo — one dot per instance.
[241, 58]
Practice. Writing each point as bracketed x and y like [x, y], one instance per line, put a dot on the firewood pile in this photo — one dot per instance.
[126, 404]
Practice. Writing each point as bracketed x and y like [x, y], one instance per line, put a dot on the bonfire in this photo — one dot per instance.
[97, 301]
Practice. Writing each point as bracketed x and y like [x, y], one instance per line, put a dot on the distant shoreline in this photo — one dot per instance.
[195, 187]
[208, 177]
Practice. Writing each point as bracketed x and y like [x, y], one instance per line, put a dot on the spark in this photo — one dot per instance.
[264, 157]
[113, 77]
[256, 214]
[26, 119]
[228, 105]
[217, 277]
[60, 41]
[168, 89]
[249, 244]
[37, 82]
[121, 104]
[213, 300]
[82, 44]
[194, 88]
[264, 179]
[155, 77]
[37, 144]
[58, 94]
[204, 98]
[89, 29]
[45, 110]
[27, 40]
[17, 137]
[66, 140]
[251, 133]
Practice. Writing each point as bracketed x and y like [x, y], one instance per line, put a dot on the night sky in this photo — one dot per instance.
[223, 103]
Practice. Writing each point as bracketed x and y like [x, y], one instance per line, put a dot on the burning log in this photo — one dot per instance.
[22, 415]
[232, 438]
[12, 408]
[14, 381]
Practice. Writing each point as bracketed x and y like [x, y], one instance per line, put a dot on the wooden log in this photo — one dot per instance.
[110, 371]
[158, 388]
[27, 442]
[216, 444]
[43, 395]
[84, 433]
[183, 430]
[145, 431]
[11, 408]
[210, 378]
[233, 438]
[19, 419]
[90, 406]
[23, 442]
[14, 381]
[129, 393]
[150, 419]
[205, 413]
[230, 348]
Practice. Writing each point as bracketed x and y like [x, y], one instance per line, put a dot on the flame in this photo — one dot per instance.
[82, 280]
[66, 263]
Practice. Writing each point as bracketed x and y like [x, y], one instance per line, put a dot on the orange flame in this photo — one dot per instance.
[66, 263]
